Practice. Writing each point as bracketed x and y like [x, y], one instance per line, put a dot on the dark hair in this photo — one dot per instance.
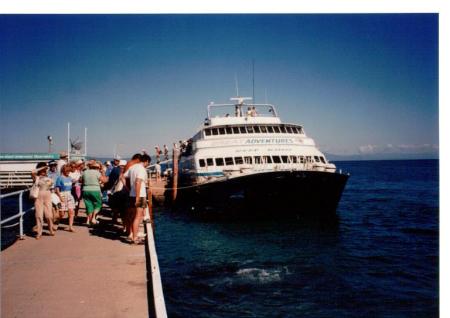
[145, 158]
[137, 156]
[41, 164]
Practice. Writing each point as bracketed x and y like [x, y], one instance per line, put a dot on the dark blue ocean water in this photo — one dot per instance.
[380, 259]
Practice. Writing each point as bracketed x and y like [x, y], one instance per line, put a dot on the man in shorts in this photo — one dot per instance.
[138, 177]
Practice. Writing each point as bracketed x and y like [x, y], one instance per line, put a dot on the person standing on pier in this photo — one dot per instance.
[118, 201]
[53, 172]
[75, 174]
[92, 194]
[158, 171]
[138, 177]
[64, 191]
[56, 203]
[166, 152]
[63, 159]
[43, 203]
[158, 153]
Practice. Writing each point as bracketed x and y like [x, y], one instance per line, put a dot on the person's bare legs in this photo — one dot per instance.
[39, 215]
[71, 218]
[48, 212]
[136, 222]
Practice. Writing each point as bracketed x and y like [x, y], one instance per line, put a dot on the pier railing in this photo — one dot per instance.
[19, 215]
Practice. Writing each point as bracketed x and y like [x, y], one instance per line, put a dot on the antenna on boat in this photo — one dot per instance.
[253, 80]
[236, 84]
[85, 142]
[68, 141]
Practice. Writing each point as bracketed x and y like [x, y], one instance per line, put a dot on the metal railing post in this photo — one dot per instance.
[22, 237]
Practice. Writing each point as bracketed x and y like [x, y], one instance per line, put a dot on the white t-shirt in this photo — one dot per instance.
[75, 175]
[60, 163]
[137, 171]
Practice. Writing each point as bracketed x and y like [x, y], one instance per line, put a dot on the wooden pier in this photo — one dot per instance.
[89, 273]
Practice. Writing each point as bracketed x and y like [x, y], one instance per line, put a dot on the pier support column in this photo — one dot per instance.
[150, 199]
[176, 154]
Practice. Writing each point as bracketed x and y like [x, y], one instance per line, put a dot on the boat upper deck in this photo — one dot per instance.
[241, 113]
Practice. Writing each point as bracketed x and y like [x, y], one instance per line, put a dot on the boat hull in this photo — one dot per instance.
[278, 193]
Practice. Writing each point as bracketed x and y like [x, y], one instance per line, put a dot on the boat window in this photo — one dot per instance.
[228, 130]
[263, 129]
[219, 161]
[283, 129]
[209, 162]
[276, 129]
[276, 159]
[222, 131]
[229, 161]
[308, 159]
[202, 162]
[236, 130]
[256, 129]
[289, 129]
[238, 160]
[293, 159]
[316, 158]
[284, 159]
[242, 129]
[322, 159]
[248, 160]
[208, 132]
[270, 129]
[301, 130]
[302, 159]
[215, 131]
[258, 160]
[267, 159]
[296, 130]
[250, 129]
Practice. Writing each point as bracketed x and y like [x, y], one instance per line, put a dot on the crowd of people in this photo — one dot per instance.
[63, 184]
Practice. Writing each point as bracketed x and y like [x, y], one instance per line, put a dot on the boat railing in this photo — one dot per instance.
[19, 215]
[11, 179]
[240, 110]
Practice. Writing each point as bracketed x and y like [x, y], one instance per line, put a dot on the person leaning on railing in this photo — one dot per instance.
[43, 203]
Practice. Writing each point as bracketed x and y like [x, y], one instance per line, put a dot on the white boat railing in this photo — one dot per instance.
[19, 215]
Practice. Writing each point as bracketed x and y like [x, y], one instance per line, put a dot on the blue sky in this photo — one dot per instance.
[359, 83]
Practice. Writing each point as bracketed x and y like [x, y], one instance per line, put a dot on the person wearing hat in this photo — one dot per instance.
[63, 159]
[43, 203]
[53, 174]
[92, 195]
[53, 171]
[75, 174]
[118, 200]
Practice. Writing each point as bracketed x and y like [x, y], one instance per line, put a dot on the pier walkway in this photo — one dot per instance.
[90, 273]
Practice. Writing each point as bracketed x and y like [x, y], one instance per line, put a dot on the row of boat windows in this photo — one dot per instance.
[229, 161]
[254, 129]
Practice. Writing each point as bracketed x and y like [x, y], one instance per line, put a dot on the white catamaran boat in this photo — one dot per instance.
[245, 160]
